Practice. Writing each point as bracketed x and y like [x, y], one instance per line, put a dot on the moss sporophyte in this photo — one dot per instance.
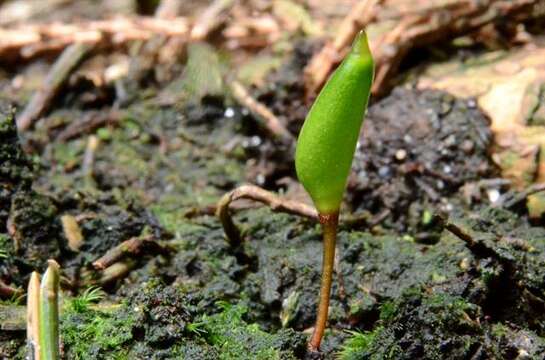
[325, 150]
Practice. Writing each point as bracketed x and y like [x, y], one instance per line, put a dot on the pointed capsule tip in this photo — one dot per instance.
[53, 264]
[361, 43]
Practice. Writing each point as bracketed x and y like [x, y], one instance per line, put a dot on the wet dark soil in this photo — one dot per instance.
[416, 150]
[404, 288]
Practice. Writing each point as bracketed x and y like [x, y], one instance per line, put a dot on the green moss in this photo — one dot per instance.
[235, 339]
[95, 334]
[387, 310]
[358, 344]
[499, 330]
[81, 303]
[6, 246]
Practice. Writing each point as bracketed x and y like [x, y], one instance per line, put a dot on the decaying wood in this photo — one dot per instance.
[41, 100]
[417, 27]
[168, 9]
[268, 198]
[12, 317]
[440, 24]
[269, 121]
[72, 232]
[116, 272]
[29, 41]
[322, 63]
[210, 19]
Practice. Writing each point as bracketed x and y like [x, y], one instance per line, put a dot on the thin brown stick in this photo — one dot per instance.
[269, 121]
[477, 247]
[90, 122]
[31, 40]
[168, 9]
[211, 18]
[72, 232]
[116, 271]
[41, 100]
[88, 163]
[321, 64]
[511, 199]
[439, 24]
[416, 27]
[256, 193]
[133, 246]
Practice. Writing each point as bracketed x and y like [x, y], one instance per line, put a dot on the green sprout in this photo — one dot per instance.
[43, 314]
[91, 295]
[325, 150]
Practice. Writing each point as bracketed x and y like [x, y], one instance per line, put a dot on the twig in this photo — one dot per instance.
[478, 248]
[168, 9]
[269, 121]
[256, 193]
[90, 122]
[116, 271]
[438, 24]
[28, 41]
[416, 27]
[517, 276]
[210, 19]
[321, 64]
[133, 246]
[41, 100]
[512, 199]
[72, 232]
[88, 163]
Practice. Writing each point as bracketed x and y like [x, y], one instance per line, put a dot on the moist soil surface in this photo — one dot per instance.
[405, 288]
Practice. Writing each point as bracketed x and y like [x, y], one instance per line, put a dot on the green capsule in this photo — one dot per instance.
[328, 139]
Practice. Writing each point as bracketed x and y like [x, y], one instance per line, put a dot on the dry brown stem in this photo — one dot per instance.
[256, 193]
[512, 199]
[211, 18]
[322, 63]
[269, 121]
[59, 73]
[31, 40]
[439, 24]
[416, 27]
[133, 246]
[90, 121]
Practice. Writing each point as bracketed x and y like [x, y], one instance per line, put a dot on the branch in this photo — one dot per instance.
[416, 27]
[132, 247]
[321, 64]
[269, 121]
[59, 73]
[256, 193]
[210, 19]
[512, 199]
[29, 41]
